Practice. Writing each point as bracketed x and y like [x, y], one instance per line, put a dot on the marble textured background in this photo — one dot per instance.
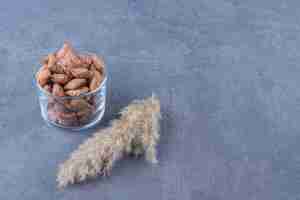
[226, 71]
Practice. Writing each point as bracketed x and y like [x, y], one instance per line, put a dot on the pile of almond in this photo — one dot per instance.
[67, 73]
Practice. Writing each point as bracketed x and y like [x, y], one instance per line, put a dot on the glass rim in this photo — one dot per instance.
[72, 97]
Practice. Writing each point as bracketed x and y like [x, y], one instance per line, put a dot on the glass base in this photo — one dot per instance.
[78, 128]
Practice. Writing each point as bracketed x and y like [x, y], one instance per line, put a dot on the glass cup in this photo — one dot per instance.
[73, 112]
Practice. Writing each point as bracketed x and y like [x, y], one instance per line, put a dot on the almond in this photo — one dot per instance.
[86, 60]
[81, 72]
[60, 78]
[67, 70]
[58, 69]
[75, 83]
[93, 68]
[67, 115]
[78, 104]
[84, 112]
[48, 88]
[66, 62]
[52, 115]
[65, 48]
[91, 99]
[60, 107]
[84, 115]
[78, 91]
[51, 60]
[58, 90]
[43, 76]
[96, 81]
[67, 56]
[70, 60]
[68, 119]
[98, 63]
[76, 62]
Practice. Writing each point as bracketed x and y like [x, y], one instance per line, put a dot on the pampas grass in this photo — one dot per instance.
[136, 132]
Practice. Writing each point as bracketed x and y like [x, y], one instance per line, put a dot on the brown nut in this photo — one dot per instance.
[43, 76]
[78, 91]
[68, 122]
[60, 107]
[75, 83]
[98, 63]
[65, 48]
[78, 104]
[96, 81]
[51, 101]
[58, 69]
[86, 60]
[66, 70]
[70, 60]
[89, 99]
[67, 118]
[48, 88]
[51, 60]
[67, 115]
[84, 115]
[93, 100]
[58, 90]
[60, 78]
[81, 72]
[66, 61]
[75, 60]
[67, 56]
[52, 115]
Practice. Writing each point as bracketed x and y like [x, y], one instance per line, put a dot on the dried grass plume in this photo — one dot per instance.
[135, 132]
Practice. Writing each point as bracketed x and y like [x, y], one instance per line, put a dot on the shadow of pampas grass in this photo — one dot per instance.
[136, 133]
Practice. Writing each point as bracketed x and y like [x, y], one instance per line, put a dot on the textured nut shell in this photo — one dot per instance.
[98, 63]
[96, 81]
[84, 112]
[86, 60]
[66, 61]
[78, 104]
[78, 91]
[43, 76]
[58, 69]
[60, 107]
[51, 60]
[67, 115]
[48, 88]
[68, 122]
[71, 60]
[65, 48]
[60, 78]
[84, 115]
[68, 118]
[81, 72]
[52, 115]
[67, 56]
[76, 62]
[58, 90]
[75, 83]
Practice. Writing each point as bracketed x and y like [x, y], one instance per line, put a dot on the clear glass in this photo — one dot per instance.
[74, 113]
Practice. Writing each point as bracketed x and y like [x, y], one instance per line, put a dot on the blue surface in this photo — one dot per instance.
[226, 71]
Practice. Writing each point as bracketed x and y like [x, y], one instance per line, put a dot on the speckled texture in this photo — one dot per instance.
[226, 71]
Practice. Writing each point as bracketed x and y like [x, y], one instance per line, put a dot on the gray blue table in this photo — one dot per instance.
[227, 73]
